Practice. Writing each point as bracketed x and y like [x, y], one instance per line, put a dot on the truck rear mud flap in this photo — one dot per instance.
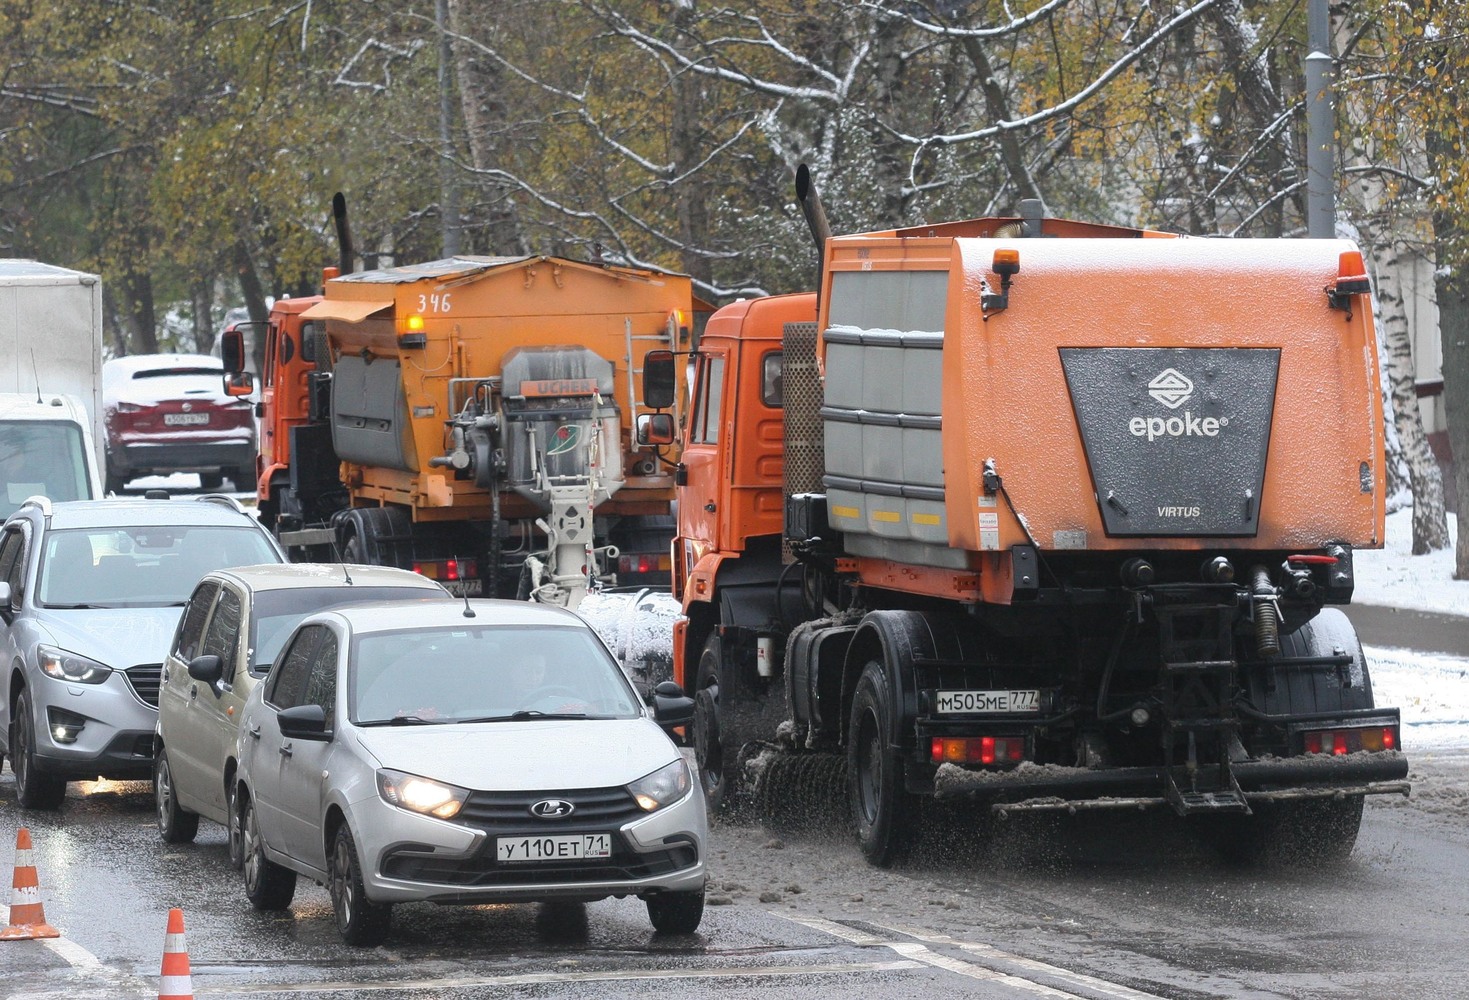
[1051, 787]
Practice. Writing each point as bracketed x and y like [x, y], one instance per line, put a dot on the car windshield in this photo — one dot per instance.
[484, 674]
[41, 458]
[140, 566]
[277, 612]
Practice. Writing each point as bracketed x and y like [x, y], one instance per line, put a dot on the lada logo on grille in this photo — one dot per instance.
[552, 809]
[1171, 388]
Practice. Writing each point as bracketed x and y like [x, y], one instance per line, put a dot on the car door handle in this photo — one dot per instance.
[193, 691]
[254, 730]
[286, 750]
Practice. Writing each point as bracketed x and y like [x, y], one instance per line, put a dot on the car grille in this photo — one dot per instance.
[600, 807]
[144, 680]
[483, 870]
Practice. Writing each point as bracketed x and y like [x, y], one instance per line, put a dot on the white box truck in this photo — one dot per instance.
[50, 383]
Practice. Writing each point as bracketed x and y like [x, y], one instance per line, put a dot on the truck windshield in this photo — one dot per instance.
[41, 458]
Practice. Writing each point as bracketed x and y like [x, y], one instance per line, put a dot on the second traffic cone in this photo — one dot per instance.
[27, 916]
[175, 982]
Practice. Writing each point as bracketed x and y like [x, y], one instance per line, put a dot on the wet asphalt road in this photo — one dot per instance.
[1403, 629]
[1095, 907]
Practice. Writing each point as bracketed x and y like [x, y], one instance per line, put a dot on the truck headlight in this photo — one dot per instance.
[420, 795]
[663, 787]
[70, 667]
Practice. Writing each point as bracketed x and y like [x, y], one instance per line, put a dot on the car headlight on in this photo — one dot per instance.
[420, 795]
[663, 787]
[70, 667]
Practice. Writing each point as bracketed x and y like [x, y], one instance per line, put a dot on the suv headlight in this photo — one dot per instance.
[70, 667]
[420, 795]
[663, 787]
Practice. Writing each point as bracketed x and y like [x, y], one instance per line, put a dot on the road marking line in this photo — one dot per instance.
[992, 953]
[543, 978]
[920, 953]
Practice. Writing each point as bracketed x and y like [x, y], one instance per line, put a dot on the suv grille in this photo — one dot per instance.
[600, 807]
[144, 680]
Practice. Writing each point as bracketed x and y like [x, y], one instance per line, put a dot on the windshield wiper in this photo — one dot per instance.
[402, 720]
[524, 714]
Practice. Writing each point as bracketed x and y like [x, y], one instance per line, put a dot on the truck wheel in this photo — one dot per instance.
[676, 912]
[176, 825]
[1311, 832]
[268, 886]
[33, 790]
[717, 782]
[361, 922]
[881, 813]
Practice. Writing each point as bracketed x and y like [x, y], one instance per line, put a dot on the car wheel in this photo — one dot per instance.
[268, 886]
[176, 825]
[232, 824]
[676, 912]
[361, 922]
[33, 790]
[211, 481]
[114, 483]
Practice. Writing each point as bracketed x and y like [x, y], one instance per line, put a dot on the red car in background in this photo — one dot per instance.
[168, 413]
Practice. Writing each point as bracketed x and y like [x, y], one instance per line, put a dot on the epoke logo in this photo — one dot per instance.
[1171, 388]
[564, 439]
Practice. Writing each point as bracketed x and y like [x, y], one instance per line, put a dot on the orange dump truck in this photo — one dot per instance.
[469, 418]
[1047, 516]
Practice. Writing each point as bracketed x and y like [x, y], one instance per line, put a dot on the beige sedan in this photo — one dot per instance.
[228, 636]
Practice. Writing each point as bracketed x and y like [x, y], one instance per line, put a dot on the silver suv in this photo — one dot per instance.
[229, 635]
[90, 595]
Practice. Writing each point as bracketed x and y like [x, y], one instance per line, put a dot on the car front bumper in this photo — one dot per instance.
[111, 729]
[408, 857]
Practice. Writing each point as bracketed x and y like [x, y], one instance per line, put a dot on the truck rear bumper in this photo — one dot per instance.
[1033, 787]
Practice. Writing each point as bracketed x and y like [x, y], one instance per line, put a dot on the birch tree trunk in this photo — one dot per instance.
[1430, 522]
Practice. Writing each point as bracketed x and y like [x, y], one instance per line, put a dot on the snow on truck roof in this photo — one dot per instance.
[465, 265]
[32, 272]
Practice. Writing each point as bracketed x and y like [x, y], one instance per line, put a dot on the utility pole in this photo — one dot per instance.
[449, 191]
[1320, 125]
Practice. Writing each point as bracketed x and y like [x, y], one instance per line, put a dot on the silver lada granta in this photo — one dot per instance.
[464, 752]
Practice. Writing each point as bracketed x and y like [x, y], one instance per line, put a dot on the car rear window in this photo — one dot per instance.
[277, 612]
[141, 566]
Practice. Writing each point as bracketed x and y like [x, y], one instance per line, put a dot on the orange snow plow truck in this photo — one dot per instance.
[1045, 515]
[471, 418]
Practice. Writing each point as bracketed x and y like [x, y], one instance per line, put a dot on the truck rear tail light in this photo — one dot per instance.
[645, 562]
[446, 569]
[1339, 742]
[977, 749]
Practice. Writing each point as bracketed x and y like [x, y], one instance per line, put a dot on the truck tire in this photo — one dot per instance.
[717, 780]
[882, 814]
[375, 537]
[1307, 832]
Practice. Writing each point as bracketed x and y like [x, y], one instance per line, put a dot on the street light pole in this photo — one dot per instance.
[1320, 125]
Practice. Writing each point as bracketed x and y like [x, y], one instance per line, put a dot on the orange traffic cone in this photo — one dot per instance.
[175, 983]
[27, 916]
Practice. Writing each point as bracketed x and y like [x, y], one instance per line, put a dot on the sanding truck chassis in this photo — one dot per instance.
[1048, 516]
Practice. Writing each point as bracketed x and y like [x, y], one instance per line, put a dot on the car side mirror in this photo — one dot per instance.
[207, 667]
[655, 428]
[239, 384]
[303, 722]
[660, 380]
[671, 707]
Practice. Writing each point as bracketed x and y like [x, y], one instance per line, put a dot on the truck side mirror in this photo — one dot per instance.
[659, 380]
[655, 428]
[239, 383]
[232, 350]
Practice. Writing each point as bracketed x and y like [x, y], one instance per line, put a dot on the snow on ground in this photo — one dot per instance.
[1431, 692]
[1395, 578]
